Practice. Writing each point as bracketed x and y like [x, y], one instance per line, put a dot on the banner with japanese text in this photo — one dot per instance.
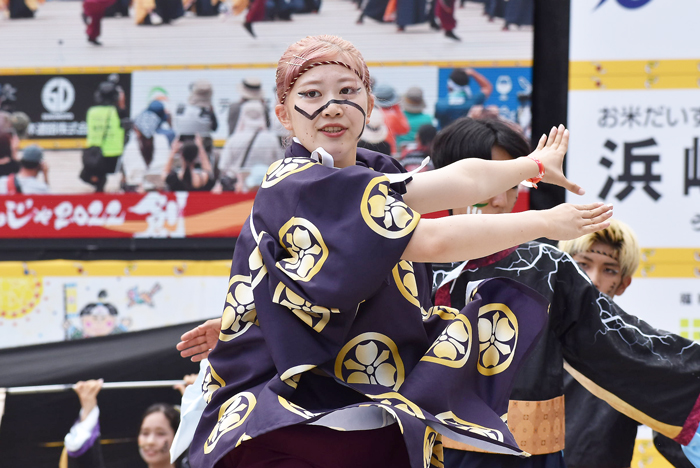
[638, 150]
[149, 215]
[62, 300]
[634, 116]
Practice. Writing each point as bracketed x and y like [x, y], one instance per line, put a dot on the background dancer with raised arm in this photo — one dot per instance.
[615, 353]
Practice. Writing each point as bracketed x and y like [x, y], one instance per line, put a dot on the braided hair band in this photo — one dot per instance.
[317, 64]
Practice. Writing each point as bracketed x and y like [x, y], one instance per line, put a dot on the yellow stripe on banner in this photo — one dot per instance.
[635, 67]
[671, 255]
[635, 74]
[597, 82]
[245, 66]
[669, 263]
[651, 270]
[55, 143]
[219, 268]
[668, 430]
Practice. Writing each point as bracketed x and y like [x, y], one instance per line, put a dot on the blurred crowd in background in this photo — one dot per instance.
[170, 146]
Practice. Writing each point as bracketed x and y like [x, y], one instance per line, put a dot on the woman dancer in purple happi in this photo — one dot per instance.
[330, 353]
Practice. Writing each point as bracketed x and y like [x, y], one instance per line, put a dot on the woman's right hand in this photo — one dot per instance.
[87, 393]
[567, 221]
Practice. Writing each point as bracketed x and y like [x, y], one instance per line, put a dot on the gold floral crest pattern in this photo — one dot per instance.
[211, 383]
[242, 439]
[384, 214]
[294, 408]
[438, 458]
[444, 312]
[370, 358]
[453, 346]
[317, 317]
[304, 243]
[293, 381]
[280, 170]
[400, 402]
[405, 278]
[257, 266]
[432, 448]
[498, 336]
[239, 312]
[450, 419]
[232, 414]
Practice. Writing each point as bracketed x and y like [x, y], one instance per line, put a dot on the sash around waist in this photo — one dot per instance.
[538, 426]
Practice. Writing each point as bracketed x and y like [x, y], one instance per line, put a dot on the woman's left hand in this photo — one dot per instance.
[550, 152]
[198, 342]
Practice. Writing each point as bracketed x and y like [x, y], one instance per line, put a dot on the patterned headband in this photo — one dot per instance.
[614, 256]
[314, 65]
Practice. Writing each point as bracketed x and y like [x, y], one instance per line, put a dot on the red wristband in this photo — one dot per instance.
[534, 180]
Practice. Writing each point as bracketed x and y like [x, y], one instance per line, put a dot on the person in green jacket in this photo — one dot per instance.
[104, 130]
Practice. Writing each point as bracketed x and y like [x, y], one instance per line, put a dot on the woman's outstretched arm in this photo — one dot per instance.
[465, 237]
[472, 180]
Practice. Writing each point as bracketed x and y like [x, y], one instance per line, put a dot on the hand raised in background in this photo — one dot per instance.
[188, 380]
[87, 391]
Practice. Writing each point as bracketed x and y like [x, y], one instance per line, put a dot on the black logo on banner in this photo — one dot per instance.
[57, 104]
[58, 97]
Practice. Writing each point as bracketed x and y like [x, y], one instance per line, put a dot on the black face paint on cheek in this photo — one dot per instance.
[613, 288]
[335, 101]
[166, 447]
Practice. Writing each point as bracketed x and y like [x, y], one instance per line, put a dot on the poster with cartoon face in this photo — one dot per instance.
[51, 301]
[98, 318]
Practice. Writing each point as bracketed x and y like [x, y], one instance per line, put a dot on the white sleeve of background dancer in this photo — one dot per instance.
[3, 392]
[82, 430]
[191, 410]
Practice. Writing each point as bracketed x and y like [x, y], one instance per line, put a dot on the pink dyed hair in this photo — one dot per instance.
[317, 49]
